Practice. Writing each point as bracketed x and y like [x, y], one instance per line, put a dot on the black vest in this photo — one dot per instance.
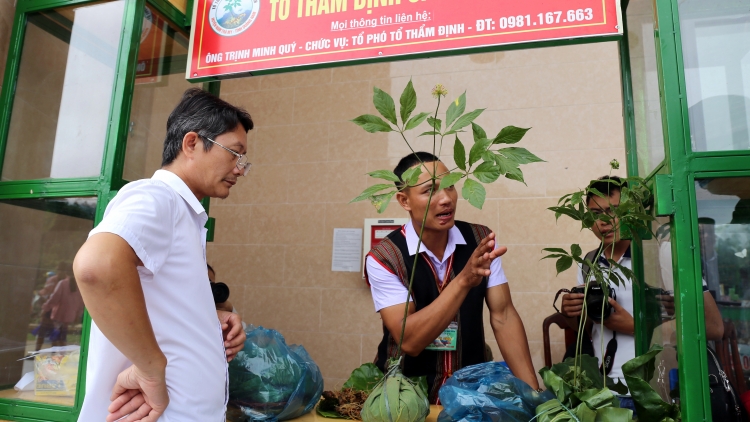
[437, 366]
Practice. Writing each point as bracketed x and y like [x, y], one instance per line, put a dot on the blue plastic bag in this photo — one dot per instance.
[488, 392]
[270, 381]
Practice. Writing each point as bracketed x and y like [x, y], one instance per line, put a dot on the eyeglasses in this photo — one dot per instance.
[242, 162]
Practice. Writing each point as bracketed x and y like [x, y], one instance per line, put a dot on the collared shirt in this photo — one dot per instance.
[388, 290]
[601, 334]
[163, 222]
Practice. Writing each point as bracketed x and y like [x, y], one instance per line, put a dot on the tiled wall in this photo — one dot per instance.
[274, 234]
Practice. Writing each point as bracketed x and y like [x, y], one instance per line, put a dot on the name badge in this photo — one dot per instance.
[446, 341]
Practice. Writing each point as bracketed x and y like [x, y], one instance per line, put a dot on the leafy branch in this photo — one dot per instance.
[482, 165]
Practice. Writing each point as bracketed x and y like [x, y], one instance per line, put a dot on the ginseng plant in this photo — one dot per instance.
[631, 219]
[488, 159]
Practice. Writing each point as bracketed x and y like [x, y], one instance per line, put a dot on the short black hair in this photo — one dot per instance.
[410, 161]
[205, 114]
[606, 185]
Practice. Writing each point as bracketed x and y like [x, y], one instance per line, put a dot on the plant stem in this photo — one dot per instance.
[414, 271]
[421, 233]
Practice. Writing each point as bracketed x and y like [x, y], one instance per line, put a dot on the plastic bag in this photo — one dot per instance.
[488, 392]
[270, 381]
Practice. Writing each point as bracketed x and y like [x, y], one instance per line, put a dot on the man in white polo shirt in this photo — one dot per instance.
[157, 350]
[458, 270]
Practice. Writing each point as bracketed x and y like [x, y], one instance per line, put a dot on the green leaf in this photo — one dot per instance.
[576, 198]
[477, 150]
[416, 121]
[372, 123]
[329, 413]
[505, 164]
[384, 104]
[384, 174]
[572, 213]
[489, 156]
[430, 133]
[466, 119]
[449, 180]
[411, 175]
[510, 135]
[575, 249]
[478, 132]
[474, 192]
[456, 109]
[520, 155]
[487, 172]
[364, 378]
[459, 154]
[421, 382]
[435, 123]
[596, 192]
[555, 250]
[380, 202]
[617, 386]
[367, 193]
[648, 403]
[515, 174]
[563, 263]
[408, 102]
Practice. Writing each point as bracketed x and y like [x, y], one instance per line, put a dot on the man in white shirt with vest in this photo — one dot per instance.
[157, 350]
[458, 271]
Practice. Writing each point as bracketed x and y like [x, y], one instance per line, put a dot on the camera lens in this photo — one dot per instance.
[220, 291]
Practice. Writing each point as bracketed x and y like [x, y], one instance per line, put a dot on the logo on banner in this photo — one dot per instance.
[232, 17]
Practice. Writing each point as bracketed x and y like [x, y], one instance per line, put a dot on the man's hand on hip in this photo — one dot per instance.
[142, 397]
[234, 335]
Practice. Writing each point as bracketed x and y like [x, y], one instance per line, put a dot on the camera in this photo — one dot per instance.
[220, 291]
[595, 303]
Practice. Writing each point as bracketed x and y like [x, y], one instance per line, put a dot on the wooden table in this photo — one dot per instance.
[315, 417]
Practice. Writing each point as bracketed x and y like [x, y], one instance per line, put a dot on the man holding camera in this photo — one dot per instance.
[617, 334]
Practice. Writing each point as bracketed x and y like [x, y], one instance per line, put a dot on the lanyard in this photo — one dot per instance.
[439, 283]
[446, 279]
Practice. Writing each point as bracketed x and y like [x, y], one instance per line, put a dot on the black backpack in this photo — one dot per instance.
[725, 404]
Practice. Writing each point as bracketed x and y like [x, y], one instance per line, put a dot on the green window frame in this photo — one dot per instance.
[104, 186]
[676, 196]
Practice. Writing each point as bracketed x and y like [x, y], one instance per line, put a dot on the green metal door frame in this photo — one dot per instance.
[684, 166]
[103, 187]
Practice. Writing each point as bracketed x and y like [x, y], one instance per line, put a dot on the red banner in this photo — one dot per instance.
[243, 36]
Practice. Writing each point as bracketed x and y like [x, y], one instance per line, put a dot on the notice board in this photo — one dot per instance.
[239, 37]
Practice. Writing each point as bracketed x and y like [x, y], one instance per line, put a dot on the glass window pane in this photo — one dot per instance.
[724, 221]
[40, 306]
[646, 105]
[716, 51]
[657, 309]
[62, 99]
[160, 82]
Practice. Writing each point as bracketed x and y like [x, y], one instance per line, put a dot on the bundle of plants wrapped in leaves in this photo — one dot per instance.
[584, 395]
[369, 383]
[396, 399]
